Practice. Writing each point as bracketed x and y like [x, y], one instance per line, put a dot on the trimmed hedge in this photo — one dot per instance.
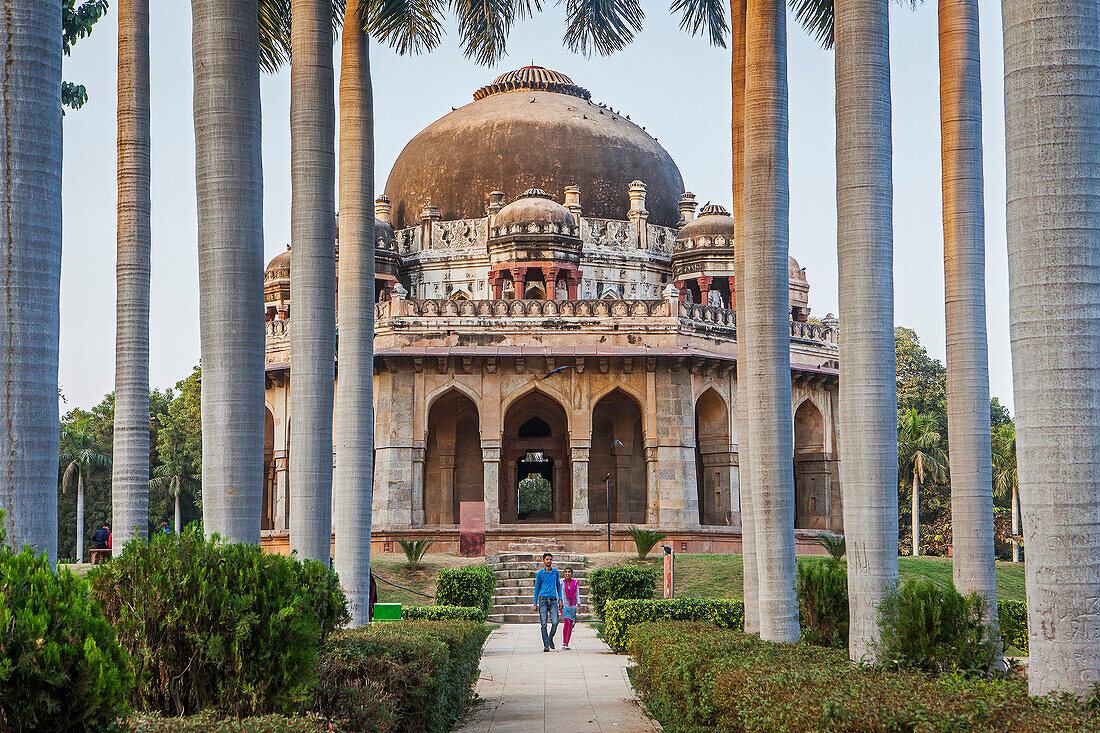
[400, 675]
[215, 625]
[697, 677]
[61, 667]
[1013, 617]
[209, 722]
[622, 615]
[622, 581]
[442, 613]
[469, 586]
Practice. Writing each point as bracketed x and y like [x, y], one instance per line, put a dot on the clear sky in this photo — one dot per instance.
[675, 85]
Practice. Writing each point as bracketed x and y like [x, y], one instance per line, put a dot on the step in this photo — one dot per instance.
[536, 547]
[529, 565]
[525, 618]
[511, 600]
[529, 582]
[531, 557]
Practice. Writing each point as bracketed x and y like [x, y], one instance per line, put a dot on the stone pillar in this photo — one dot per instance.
[446, 490]
[680, 290]
[573, 202]
[550, 276]
[496, 203]
[653, 497]
[496, 280]
[382, 209]
[580, 482]
[490, 458]
[573, 282]
[418, 487]
[704, 289]
[639, 217]
[428, 216]
[519, 277]
[687, 207]
[676, 480]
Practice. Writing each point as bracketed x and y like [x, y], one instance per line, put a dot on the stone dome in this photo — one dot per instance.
[713, 222]
[279, 267]
[532, 128]
[535, 207]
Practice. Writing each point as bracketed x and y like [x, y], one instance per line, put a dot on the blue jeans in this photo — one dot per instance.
[548, 607]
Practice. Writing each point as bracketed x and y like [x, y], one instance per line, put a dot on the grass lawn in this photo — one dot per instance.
[720, 576]
[391, 566]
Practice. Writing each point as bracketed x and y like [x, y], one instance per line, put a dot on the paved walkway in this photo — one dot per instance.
[526, 690]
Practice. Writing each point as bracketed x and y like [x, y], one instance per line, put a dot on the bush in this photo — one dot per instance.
[442, 613]
[209, 722]
[214, 625]
[400, 676]
[695, 677]
[823, 603]
[623, 581]
[924, 627]
[414, 551]
[834, 544]
[1013, 618]
[645, 539]
[470, 586]
[61, 667]
[621, 615]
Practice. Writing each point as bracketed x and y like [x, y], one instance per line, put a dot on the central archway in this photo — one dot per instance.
[534, 462]
[453, 471]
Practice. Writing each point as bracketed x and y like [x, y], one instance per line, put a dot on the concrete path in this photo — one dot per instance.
[526, 690]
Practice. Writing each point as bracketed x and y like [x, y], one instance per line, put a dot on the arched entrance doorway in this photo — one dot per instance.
[453, 471]
[713, 459]
[534, 462]
[811, 469]
[618, 448]
[267, 505]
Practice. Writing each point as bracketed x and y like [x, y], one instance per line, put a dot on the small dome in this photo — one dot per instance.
[279, 266]
[535, 207]
[533, 78]
[795, 270]
[713, 221]
[383, 234]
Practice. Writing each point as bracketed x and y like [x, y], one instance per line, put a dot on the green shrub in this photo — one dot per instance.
[834, 544]
[210, 722]
[823, 603]
[442, 613]
[214, 625]
[623, 581]
[924, 627]
[695, 677]
[415, 551]
[400, 676]
[621, 615]
[1013, 618]
[645, 539]
[61, 667]
[470, 586]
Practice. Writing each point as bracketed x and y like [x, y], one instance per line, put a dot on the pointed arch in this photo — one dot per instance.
[267, 504]
[541, 388]
[453, 468]
[713, 459]
[618, 449]
[535, 474]
[811, 469]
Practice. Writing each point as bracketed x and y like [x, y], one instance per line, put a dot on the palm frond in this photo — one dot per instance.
[483, 26]
[703, 16]
[816, 16]
[603, 26]
[275, 17]
[407, 26]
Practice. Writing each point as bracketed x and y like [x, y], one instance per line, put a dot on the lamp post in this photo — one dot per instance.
[607, 504]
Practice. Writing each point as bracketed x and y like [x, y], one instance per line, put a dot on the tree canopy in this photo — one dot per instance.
[76, 23]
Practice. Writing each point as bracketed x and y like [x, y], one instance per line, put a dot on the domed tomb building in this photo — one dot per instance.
[556, 340]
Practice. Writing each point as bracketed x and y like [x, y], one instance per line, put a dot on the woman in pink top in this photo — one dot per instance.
[570, 592]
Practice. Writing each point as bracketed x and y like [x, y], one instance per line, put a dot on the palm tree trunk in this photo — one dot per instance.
[1052, 125]
[313, 283]
[354, 474]
[177, 514]
[748, 519]
[1015, 524]
[229, 177]
[80, 517]
[916, 515]
[964, 287]
[868, 391]
[130, 479]
[766, 330]
[30, 268]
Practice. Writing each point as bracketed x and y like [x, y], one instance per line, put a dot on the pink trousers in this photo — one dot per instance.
[567, 631]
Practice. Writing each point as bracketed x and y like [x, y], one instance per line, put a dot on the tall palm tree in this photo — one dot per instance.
[868, 391]
[130, 482]
[1052, 123]
[1006, 480]
[766, 313]
[79, 458]
[30, 268]
[353, 478]
[176, 480]
[973, 565]
[313, 286]
[920, 455]
[229, 178]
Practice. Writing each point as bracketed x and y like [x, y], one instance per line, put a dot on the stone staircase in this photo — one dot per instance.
[515, 573]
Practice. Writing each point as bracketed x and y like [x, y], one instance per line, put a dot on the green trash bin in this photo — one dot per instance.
[387, 611]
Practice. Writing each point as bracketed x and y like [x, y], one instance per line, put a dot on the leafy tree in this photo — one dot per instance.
[920, 453]
[179, 448]
[76, 23]
[998, 414]
[922, 380]
[1006, 482]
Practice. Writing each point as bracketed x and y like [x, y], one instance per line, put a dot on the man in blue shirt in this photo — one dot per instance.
[548, 599]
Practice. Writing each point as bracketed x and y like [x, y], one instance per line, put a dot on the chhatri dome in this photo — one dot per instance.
[532, 128]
